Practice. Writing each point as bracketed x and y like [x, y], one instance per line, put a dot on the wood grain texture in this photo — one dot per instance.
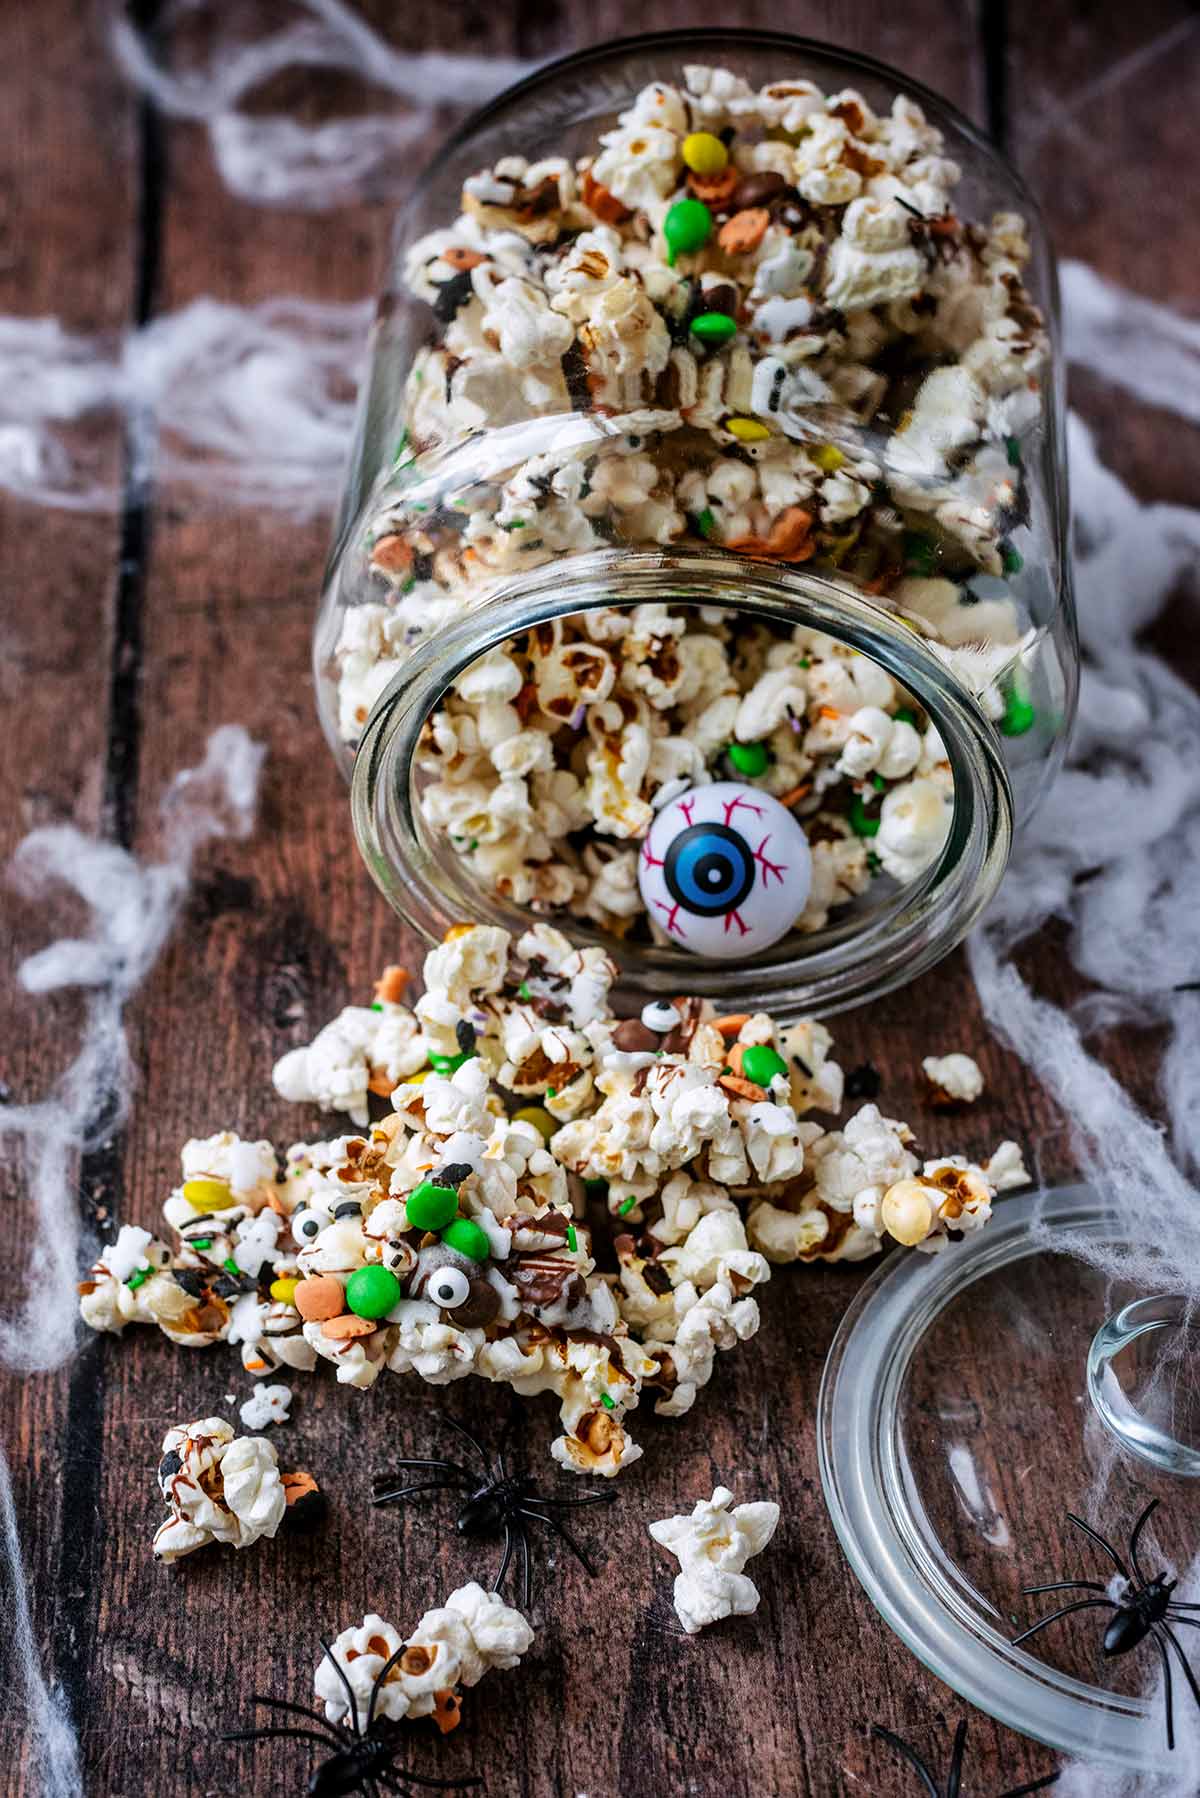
[130, 632]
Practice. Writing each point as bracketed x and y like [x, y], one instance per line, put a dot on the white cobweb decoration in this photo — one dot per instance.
[54, 1749]
[132, 909]
[1115, 853]
[276, 159]
[245, 405]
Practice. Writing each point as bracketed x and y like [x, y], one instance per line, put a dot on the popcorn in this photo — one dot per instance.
[955, 1079]
[218, 1487]
[455, 1236]
[453, 1646]
[363, 1050]
[713, 1545]
[785, 434]
[268, 1405]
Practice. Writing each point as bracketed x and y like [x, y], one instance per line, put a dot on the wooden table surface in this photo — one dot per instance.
[130, 634]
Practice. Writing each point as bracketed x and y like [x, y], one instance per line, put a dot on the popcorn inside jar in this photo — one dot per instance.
[711, 444]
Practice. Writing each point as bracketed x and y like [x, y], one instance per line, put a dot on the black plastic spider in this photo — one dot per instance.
[1143, 1611]
[361, 1758]
[500, 1501]
[954, 1776]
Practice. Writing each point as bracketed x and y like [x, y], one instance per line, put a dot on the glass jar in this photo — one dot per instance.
[713, 433]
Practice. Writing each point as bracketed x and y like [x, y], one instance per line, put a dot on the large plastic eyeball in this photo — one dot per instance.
[449, 1287]
[725, 870]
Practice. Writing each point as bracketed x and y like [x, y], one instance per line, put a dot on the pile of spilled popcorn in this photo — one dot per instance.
[746, 321]
[557, 1200]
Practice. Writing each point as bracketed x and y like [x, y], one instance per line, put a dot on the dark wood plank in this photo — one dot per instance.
[67, 210]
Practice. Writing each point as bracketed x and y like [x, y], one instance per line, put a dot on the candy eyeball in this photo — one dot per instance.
[449, 1287]
[660, 1016]
[725, 870]
[307, 1225]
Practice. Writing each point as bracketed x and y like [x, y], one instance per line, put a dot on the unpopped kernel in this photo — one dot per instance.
[558, 1200]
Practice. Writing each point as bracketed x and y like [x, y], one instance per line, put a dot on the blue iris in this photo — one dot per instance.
[709, 869]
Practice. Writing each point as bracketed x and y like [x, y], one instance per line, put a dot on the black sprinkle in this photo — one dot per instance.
[864, 1082]
[192, 1279]
[226, 1286]
[803, 1066]
[453, 1175]
[351, 1208]
[170, 1464]
[451, 295]
[464, 1036]
[575, 374]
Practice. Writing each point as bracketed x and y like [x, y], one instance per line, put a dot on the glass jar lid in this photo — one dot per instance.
[956, 1433]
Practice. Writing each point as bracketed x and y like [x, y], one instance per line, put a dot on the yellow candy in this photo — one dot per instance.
[828, 457]
[284, 1290]
[704, 154]
[748, 430]
[457, 930]
[416, 1079]
[539, 1117]
[207, 1195]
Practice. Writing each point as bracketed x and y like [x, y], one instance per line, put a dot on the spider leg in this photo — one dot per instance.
[370, 1789]
[465, 1433]
[260, 1735]
[592, 1498]
[505, 1558]
[377, 1688]
[1136, 1537]
[536, 1517]
[954, 1777]
[1065, 1585]
[1166, 1663]
[1100, 1542]
[347, 1687]
[441, 1785]
[1081, 1604]
[428, 1461]
[399, 1492]
[334, 1733]
[1192, 1622]
[1183, 1661]
[505, 1438]
[526, 1572]
[1035, 1785]
[910, 1755]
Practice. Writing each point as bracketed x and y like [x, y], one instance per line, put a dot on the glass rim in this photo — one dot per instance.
[880, 1522]
[926, 920]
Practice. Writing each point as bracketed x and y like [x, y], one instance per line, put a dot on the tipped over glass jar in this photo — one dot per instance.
[701, 580]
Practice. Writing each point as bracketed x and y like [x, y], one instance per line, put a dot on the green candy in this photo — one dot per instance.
[687, 227]
[714, 327]
[1019, 715]
[372, 1291]
[446, 1064]
[761, 1064]
[467, 1238]
[862, 822]
[748, 758]
[431, 1207]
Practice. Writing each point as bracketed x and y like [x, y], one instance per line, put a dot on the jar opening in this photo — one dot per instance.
[901, 860]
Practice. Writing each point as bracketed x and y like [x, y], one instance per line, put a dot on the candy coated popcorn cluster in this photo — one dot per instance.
[558, 1200]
